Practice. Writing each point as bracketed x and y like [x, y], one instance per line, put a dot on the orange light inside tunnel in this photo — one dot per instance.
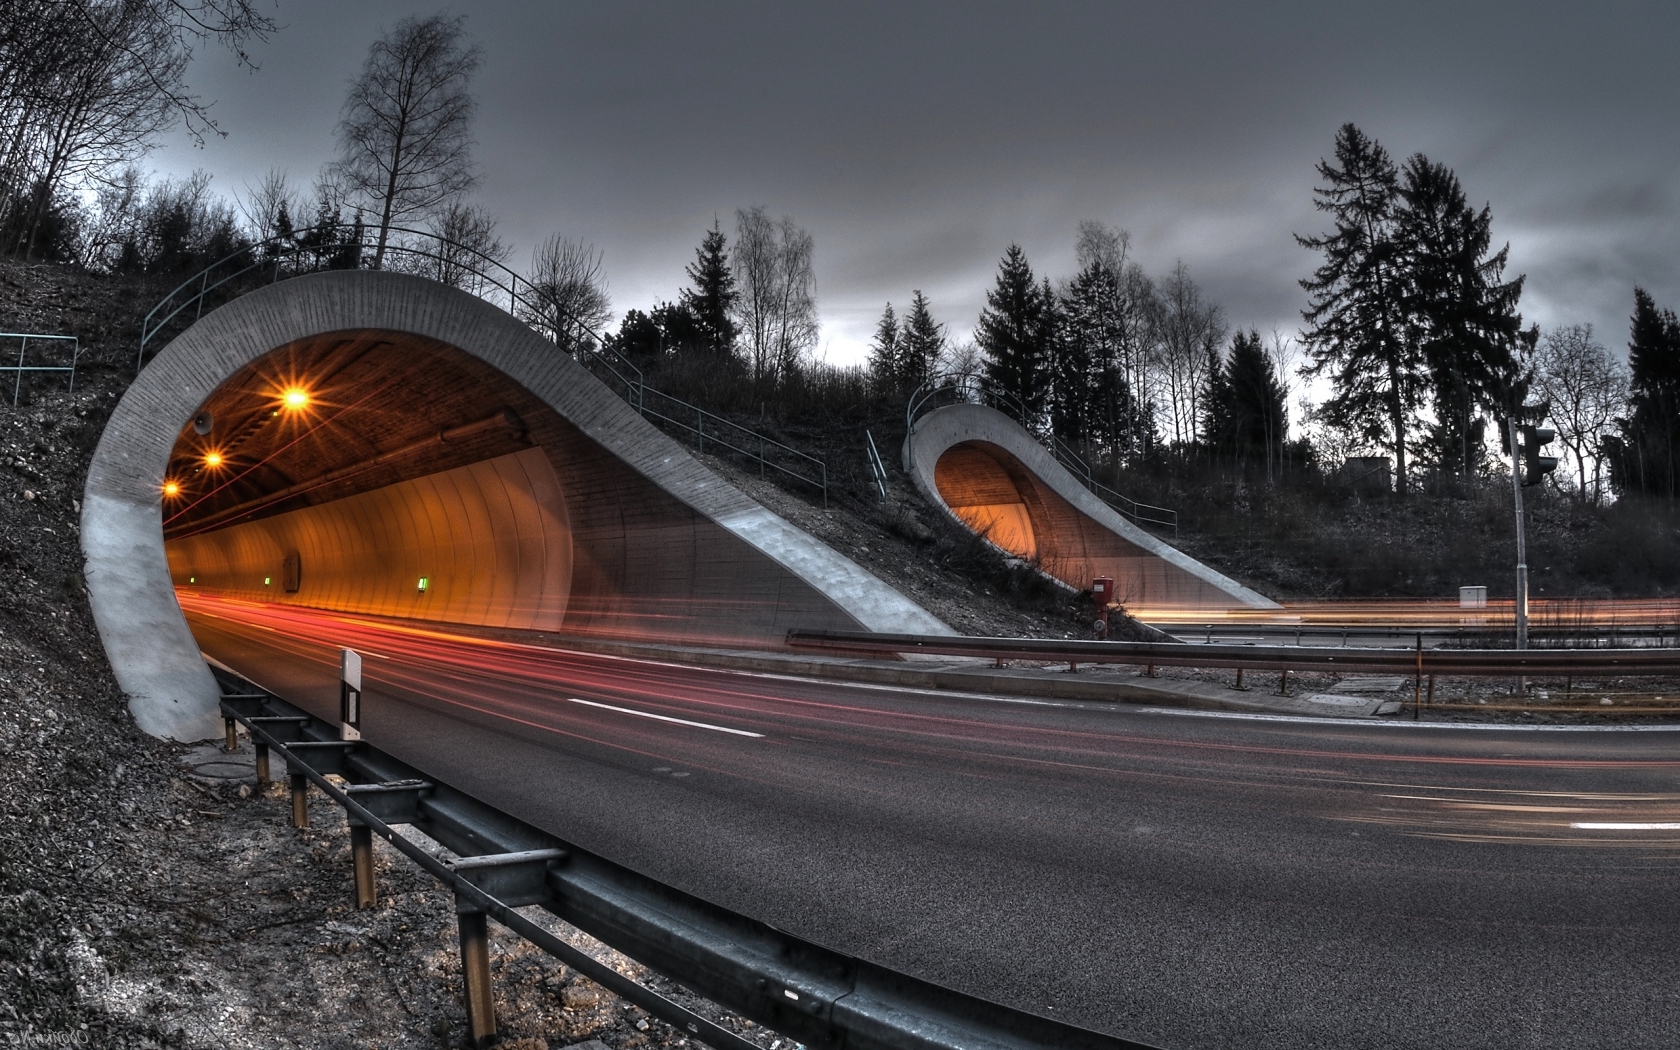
[171, 488]
[212, 459]
[295, 399]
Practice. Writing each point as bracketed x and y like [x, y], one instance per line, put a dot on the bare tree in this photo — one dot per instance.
[1189, 328]
[1104, 246]
[405, 145]
[164, 45]
[1284, 352]
[777, 304]
[1585, 386]
[111, 221]
[961, 357]
[466, 245]
[570, 289]
[271, 207]
[85, 104]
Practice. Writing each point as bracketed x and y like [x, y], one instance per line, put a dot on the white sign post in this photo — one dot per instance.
[350, 694]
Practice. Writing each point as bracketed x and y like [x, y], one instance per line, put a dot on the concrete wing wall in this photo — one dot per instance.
[992, 476]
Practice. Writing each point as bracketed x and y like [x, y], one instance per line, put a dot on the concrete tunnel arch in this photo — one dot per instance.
[993, 478]
[556, 506]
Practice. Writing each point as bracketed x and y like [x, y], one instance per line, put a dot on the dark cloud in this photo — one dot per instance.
[917, 141]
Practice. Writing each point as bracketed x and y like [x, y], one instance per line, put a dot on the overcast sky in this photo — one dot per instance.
[917, 141]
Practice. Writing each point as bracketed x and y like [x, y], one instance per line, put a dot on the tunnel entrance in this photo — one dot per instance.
[978, 487]
[380, 443]
[989, 488]
[381, 472]
[376, 472]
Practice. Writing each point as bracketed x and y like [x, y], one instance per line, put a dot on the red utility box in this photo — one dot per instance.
[1102, 590]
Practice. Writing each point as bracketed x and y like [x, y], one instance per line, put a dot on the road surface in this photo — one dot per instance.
[1190, 879]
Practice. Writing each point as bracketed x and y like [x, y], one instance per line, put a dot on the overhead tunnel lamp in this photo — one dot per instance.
[172, 488]
[212, 459]
[295, 399]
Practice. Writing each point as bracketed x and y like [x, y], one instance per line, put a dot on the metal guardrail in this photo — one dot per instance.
[23, 349]
[1469, 663]
[279, 258]
[971, 388]
[790, 985]
[1590, 637]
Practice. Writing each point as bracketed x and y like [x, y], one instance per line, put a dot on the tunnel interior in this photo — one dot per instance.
[387, 473]
[992, 493]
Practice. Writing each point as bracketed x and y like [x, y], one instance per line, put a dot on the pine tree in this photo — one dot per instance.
[885, 370]
[1246, 413]
[1357, 319]
[1071, 370]
[1649, 462]
[1095, 316]
[921, 343]
[713, 296]
[1461, 306]
[1011, 334]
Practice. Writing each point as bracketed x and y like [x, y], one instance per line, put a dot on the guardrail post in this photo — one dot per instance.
[475, 972]
[361, 858]
[262, 765]
[1283, 683]
[232, 727]
[1417, 682]
[300, 800]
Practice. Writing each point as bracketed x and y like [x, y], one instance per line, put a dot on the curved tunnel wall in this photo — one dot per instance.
[658, 540]
[491, 540]
[994, 478]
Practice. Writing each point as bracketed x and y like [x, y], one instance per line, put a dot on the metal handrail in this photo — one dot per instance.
[702, 417]
[23, 347]
[876, 466]
[1469, 663]
[529, 306]
[972, 388]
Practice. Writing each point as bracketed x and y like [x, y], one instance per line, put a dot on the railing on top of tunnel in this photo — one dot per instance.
[972, 388]
[426, 254]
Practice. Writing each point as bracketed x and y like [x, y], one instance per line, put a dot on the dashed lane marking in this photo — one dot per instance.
[663, 718]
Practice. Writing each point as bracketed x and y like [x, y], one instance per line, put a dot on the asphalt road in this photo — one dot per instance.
[1194, 880]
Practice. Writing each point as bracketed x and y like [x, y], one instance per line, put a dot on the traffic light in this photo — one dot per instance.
[1536, 466]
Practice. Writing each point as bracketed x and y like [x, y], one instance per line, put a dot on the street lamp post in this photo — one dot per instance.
[1522, 546]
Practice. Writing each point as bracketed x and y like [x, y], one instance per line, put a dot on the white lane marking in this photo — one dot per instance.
[1612, 825]
[663, 718]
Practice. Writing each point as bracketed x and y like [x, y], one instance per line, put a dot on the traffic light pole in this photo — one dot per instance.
[1522, 546]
